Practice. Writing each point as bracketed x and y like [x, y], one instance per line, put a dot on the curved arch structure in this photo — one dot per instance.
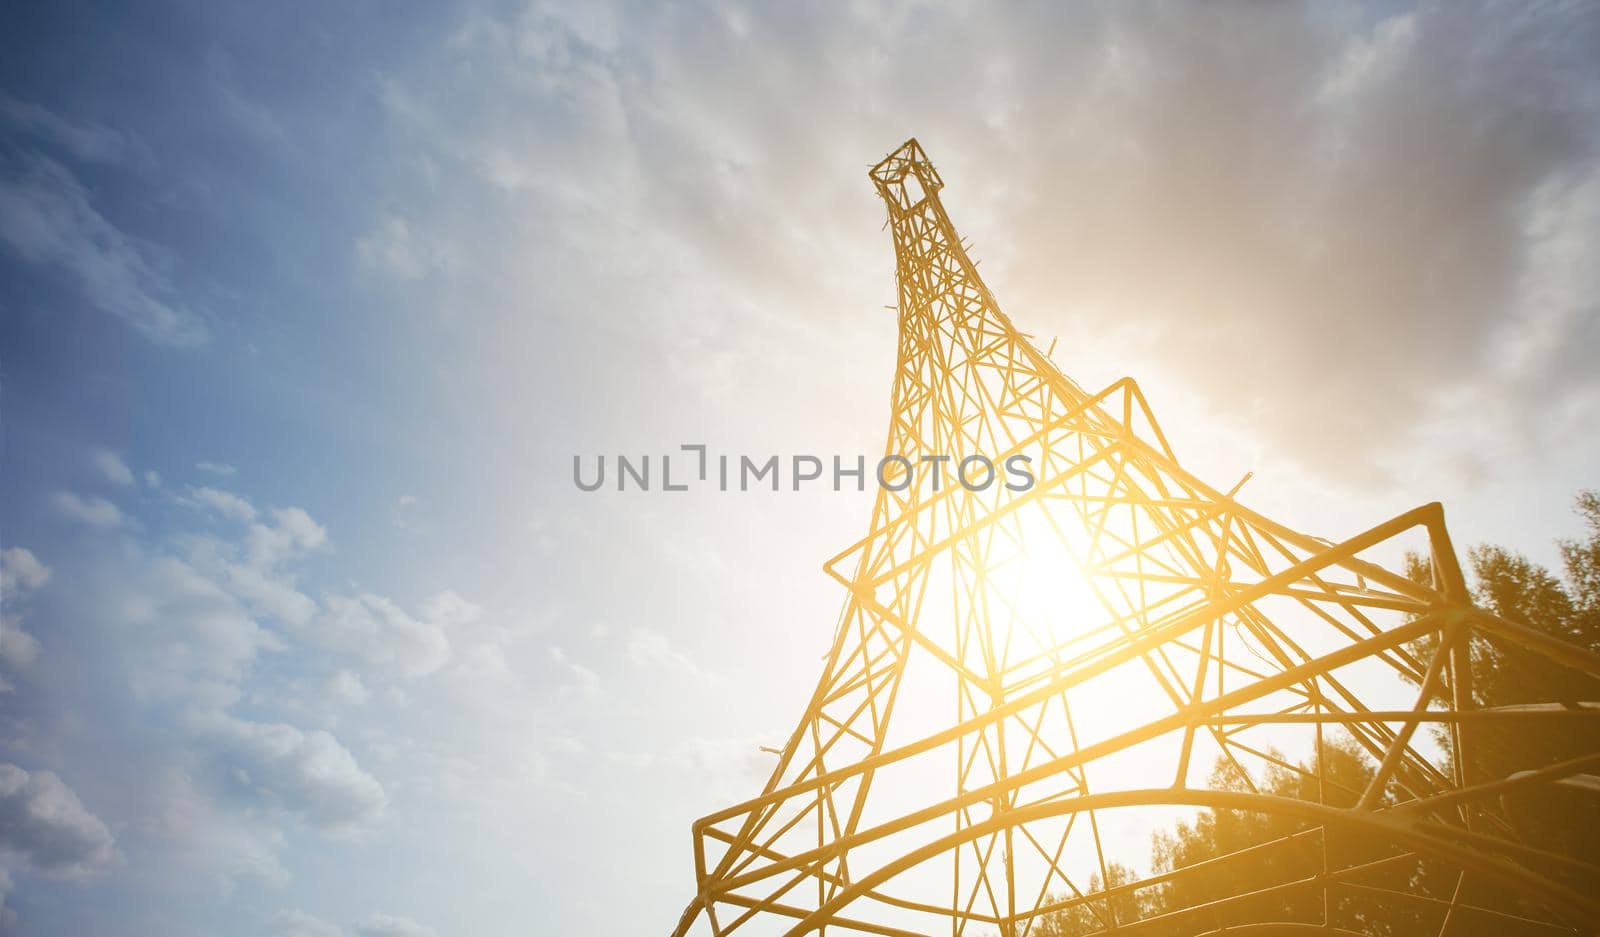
[1016, 662]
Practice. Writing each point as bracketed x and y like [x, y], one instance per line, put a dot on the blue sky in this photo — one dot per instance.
[305, 308]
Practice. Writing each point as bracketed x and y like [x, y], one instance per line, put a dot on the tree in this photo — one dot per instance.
[1504, 674]
[1099, 914]
[1233, 862]
[1230, 853]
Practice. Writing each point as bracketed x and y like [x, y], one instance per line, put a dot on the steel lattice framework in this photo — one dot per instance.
[1011, 667]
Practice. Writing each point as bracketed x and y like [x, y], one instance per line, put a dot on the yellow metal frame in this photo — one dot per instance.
[1237, 626]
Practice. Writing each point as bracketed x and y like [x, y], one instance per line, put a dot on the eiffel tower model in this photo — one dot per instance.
[1021, 672]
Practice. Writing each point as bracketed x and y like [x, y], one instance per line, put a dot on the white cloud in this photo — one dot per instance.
[216, 468]
[395, 247]
[579, 680]
[301, 924]
[199, 837]
[450, 610]
[270, 593]
[225, 503]
[93, 510]
[182, 636]
[346, 687]
[482, 662]
[651, 650]
[259, 569]
[8, 917]
[389, 925]
[1353, 200]
[18, 648]
[376, 630]
[178, 639]
[307, 773]
[87, 141]
[406, 513]
[111, 467]
[370, 627]
[47, 218]
[728, 767]
[44, 824]
[292, 533]
[21, 572]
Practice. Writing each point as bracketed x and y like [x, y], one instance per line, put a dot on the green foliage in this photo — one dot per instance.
[1504, 674]
[1239, 866]
[1233, 861]
[1522, 591]
[1582, 561]
[1120, 908]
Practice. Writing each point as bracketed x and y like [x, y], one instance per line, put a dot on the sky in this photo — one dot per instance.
[305, 310]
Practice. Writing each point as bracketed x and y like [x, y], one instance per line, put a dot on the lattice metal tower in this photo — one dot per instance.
[1013, 668]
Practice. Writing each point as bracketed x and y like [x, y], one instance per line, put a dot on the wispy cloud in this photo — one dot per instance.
[21, 573]
[398, 249]
[576, 679]
[92, 510]
[378, 632]
[84, 141]
[301, 924]
[224, 503]
[43, 822]
[45, 829]
[111, 467]
[1359, 199]
[378, 924]
[185, 617]
[310, 774]
[652, 650]
[390, 925]
[48, 218]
